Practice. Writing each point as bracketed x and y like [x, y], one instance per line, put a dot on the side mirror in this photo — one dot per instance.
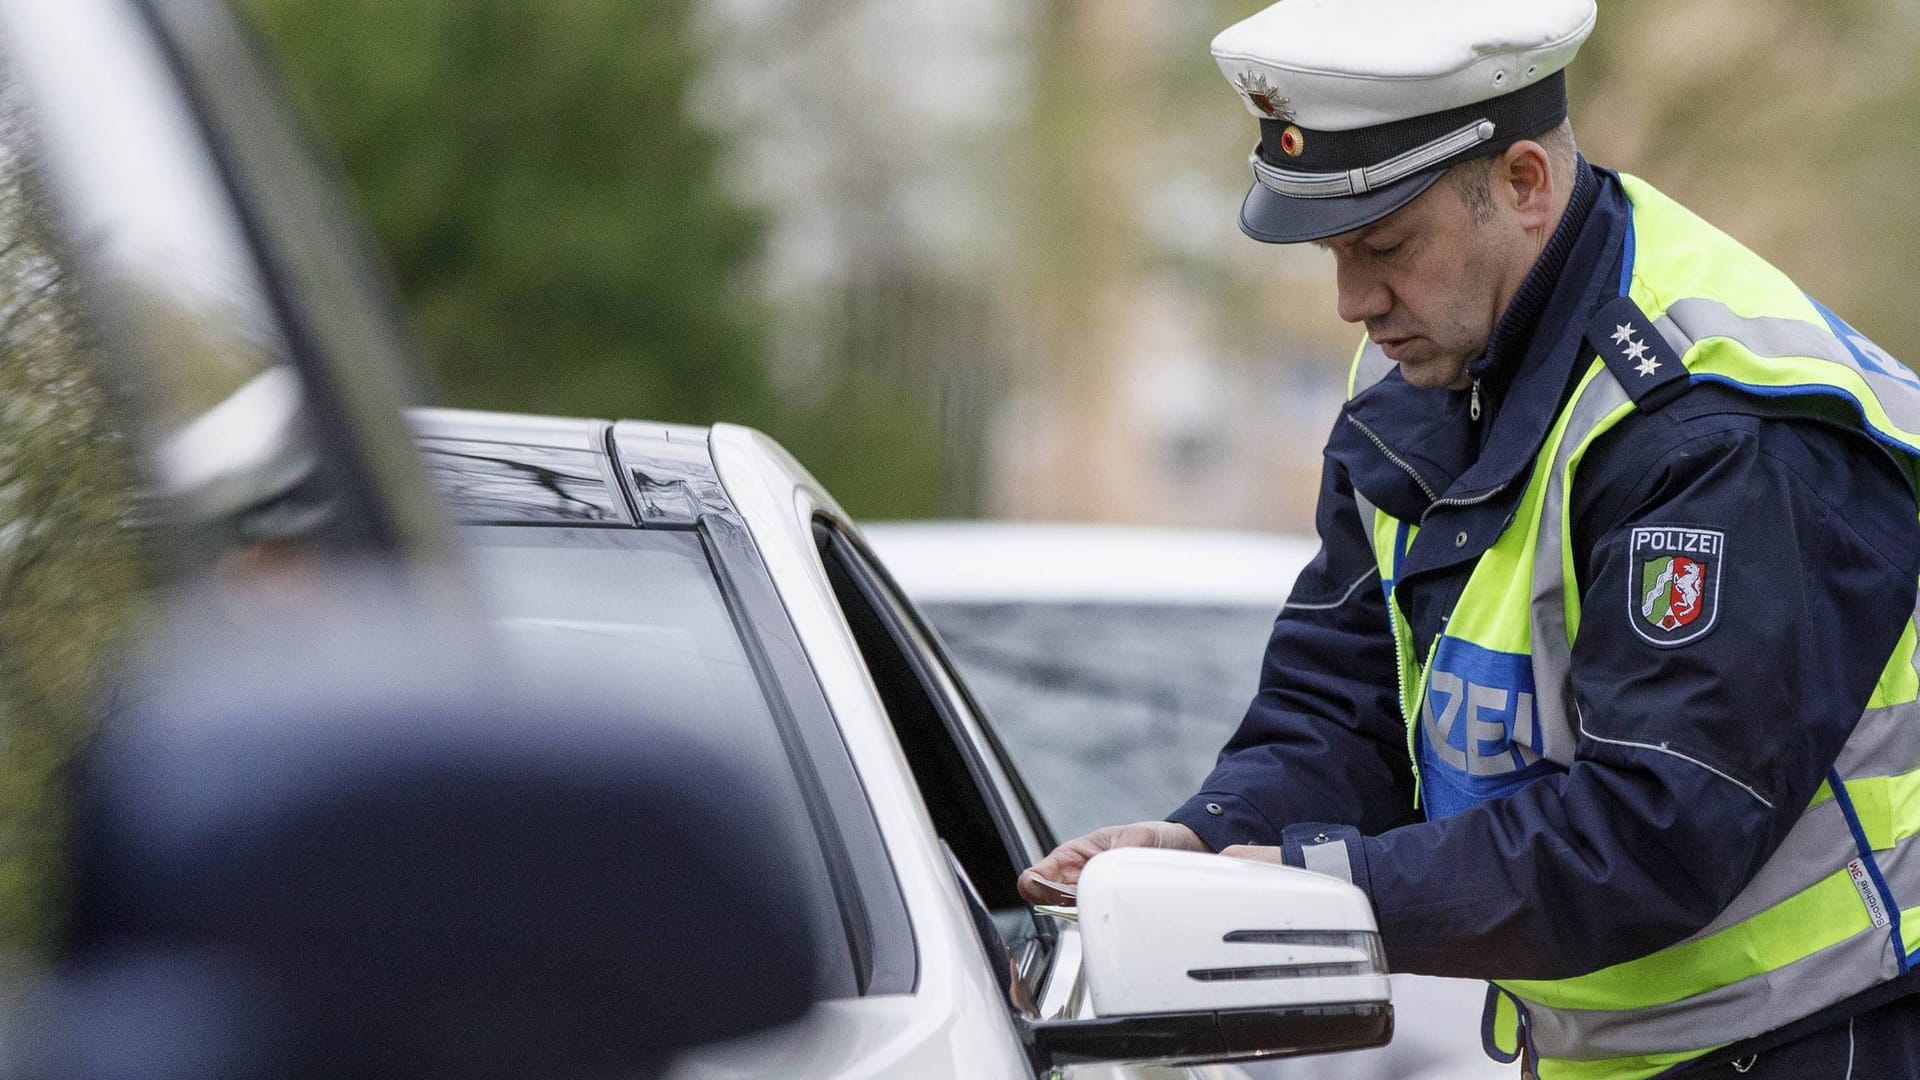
[1194, 958]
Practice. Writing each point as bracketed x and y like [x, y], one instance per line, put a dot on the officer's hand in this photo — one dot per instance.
[1256, 852]
[1067, 860]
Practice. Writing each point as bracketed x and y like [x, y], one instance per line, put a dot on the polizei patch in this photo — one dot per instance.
[1673, 583]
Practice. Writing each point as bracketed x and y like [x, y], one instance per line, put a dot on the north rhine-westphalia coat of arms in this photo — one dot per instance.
[1674, 597]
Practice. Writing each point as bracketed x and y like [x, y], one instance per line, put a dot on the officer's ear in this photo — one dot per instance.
[1522, 178]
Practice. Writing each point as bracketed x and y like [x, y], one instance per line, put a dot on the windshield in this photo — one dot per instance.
[645, 607]
[1112, 712]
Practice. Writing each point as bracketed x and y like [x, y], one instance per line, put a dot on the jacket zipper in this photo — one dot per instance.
[1473, 401]
[1435, 500]
[1425, 488]
[1419, 703]
[1461, 500]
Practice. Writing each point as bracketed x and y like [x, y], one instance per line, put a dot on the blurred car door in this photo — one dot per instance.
[199, 379]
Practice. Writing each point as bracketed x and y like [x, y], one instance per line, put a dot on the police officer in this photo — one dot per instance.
[1603, 684]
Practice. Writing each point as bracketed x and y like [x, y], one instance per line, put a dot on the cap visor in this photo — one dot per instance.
[1273, 218]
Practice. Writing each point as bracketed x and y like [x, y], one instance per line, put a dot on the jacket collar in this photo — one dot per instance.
[1507, 346]
[1406, 448]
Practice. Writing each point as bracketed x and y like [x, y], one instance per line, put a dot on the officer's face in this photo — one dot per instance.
[1431, 279]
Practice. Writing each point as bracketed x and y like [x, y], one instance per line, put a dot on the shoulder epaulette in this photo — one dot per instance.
[1639, 358]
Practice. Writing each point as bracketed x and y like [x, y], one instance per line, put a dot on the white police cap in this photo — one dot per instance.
[1363, 104]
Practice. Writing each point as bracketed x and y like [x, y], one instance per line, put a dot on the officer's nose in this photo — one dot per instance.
[1363, 295]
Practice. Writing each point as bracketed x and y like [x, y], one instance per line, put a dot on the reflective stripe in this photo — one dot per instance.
[1750, 1007]
[1885, 738]
[1368, 514]
[1820, 843]
[1696, 318]
[1890, 399]
[1814, 918]
[1829, 917]
[1598, 402]
[1330, 859]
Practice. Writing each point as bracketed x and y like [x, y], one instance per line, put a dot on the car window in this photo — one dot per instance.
[1114, 711]
[980, 807]
[645, 606]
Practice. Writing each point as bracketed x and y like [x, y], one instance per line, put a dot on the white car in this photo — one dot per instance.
[708, 565]
[1115, 662]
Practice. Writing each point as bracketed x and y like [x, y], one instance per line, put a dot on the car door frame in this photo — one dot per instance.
[958, 1010]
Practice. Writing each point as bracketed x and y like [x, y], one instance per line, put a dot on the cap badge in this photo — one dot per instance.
[1263, 95]
[1292, 141]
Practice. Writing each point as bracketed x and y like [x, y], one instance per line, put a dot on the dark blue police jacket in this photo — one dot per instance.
[1633, 849]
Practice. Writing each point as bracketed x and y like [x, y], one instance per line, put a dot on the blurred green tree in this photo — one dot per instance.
[554, 216]
[560, 227]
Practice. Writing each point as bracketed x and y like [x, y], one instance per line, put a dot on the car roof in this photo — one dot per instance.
[474, 425]
[515, 468]
[994, 562]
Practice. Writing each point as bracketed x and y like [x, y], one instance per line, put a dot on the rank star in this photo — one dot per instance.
[1636, 350]
[1648, 365]
[1622, 334]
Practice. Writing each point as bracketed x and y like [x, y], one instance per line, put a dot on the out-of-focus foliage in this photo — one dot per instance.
[554, 217]
[72, 567]
[559, 223]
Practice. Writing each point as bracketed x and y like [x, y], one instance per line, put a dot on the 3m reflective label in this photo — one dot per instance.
[1870, 896]
[1329, 859]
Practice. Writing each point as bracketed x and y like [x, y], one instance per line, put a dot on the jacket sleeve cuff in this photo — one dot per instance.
[1334, 850]
[1222, 820]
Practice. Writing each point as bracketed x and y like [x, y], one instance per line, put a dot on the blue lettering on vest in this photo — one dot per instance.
[1869, 356]
[1479, 734]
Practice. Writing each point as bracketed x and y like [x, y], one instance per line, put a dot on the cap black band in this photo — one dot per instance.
[1520, 115]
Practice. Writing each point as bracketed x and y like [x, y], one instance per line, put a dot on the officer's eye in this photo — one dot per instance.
[1389, 249]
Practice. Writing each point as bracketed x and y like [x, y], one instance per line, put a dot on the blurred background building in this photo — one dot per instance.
[980, 259]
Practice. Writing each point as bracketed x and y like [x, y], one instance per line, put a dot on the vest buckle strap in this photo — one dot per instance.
[1637, 355]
